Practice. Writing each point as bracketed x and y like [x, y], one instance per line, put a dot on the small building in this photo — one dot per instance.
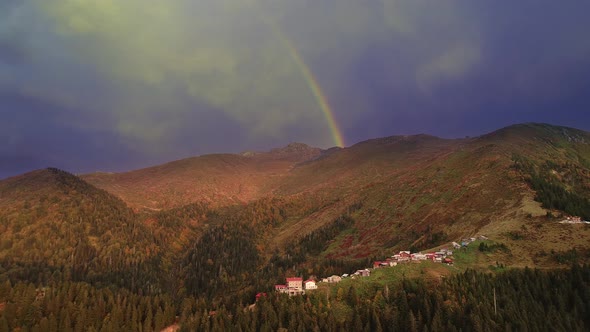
[295, 282]
[310, 284]
[448, 260]
[282, 288]
[363, 273]
[334, 279]
[418, 257]
[456, 245]
[295, 285]
[376, 264]
[403, 258]
[345, 275]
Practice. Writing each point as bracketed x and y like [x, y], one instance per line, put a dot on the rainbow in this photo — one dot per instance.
[313, 85]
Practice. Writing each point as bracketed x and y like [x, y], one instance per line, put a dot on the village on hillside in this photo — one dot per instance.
[296, 285]
[574, 220]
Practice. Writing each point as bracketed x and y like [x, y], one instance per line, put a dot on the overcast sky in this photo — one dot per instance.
[112, 85]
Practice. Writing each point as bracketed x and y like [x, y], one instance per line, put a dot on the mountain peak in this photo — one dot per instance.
[294, 147]
[48, 181]
[533, 129]
[295, 151]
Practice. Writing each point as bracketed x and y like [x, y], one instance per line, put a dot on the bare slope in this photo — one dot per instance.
[220, 179]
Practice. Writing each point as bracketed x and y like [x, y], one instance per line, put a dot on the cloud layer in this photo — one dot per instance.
[149, 80]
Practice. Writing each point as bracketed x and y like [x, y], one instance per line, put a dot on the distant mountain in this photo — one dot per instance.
[299, 208]
[219, 179]
[414, 190]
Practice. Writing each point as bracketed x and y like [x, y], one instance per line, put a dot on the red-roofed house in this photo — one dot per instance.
[295, 285]
[404, 256]
[295, 282]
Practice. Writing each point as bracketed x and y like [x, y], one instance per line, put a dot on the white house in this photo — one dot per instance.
[310, 284]
[363, 273]
[334, 279]
[418, 257]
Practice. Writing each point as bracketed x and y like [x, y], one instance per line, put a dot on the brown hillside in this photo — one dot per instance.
[400, 192]
[220, 179]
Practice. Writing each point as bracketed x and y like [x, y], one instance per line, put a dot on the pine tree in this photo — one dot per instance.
[4, 325]
[65, 325]
[159, 320]
[147, 323]
[52, 322]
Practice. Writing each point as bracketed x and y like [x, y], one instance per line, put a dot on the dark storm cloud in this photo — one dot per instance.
[33, 136]
[533, 65]
[105, 84]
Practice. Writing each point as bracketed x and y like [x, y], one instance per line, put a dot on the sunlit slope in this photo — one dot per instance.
[402, 191]
[220, 179]
[420, 191]
[310, 211]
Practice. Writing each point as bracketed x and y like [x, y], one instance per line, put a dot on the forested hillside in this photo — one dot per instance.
[471, 301]
[73, 256]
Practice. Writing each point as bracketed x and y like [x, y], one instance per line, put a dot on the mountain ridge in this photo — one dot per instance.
[227, 225]
[422, 177]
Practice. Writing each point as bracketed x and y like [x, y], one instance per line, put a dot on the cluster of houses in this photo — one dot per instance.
[296, 285]
[467, 241]
[441, 256]
[574, 220]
